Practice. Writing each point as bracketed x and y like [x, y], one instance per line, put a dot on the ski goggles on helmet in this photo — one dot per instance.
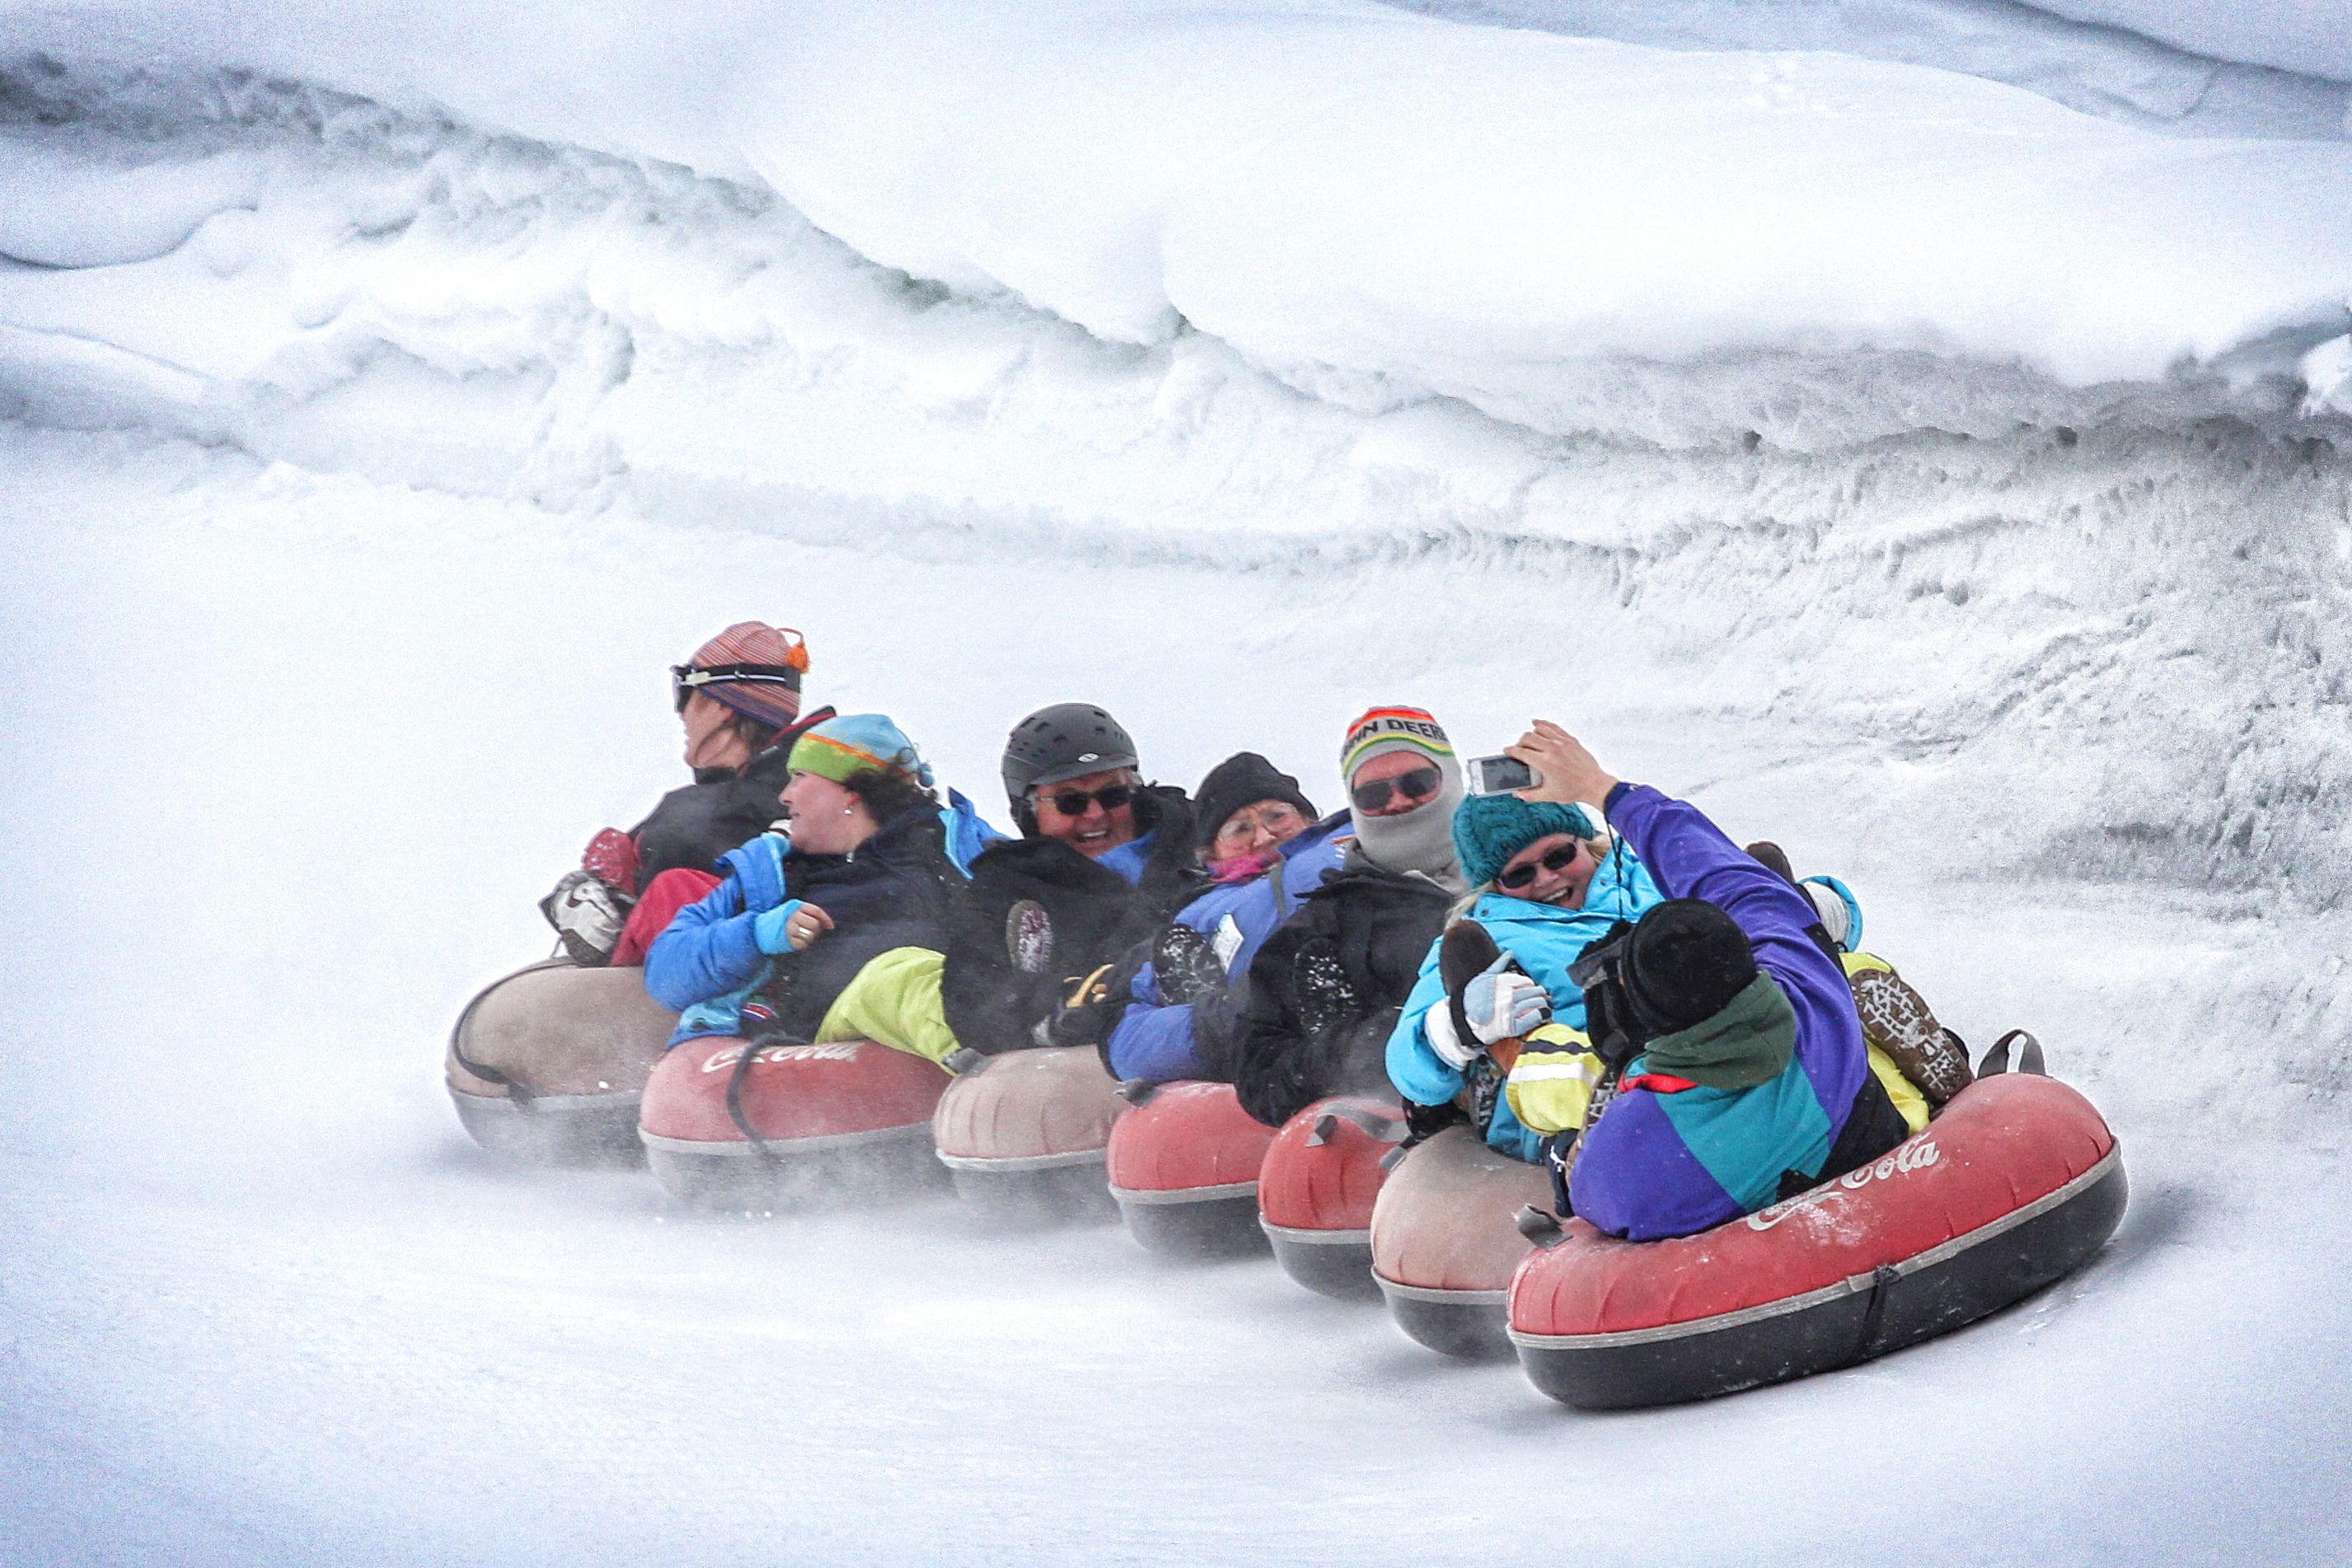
[685, 680]
[1418, 785]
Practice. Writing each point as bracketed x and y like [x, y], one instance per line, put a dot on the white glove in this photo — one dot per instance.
[1501, 1003]
[1438, 1023]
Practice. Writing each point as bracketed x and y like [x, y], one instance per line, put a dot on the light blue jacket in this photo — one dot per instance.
[1544, 939]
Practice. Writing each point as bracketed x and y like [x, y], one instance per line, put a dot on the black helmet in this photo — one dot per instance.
[1065, 741]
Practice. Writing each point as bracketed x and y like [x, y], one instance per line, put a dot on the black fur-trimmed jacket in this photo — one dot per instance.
[1095, 915]
[1369, 926]
[693, 825]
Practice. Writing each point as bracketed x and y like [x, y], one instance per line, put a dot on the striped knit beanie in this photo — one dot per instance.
[1488, 830]
[774, 653]
[840, 748]
[1387, 729]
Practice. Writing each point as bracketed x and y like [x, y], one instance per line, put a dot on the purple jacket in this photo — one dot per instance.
[1658, 1164]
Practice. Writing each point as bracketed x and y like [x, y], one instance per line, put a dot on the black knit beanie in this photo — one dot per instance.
[1242, 779]
[1685, 961]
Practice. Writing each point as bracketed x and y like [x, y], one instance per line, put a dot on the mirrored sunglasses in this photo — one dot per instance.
[1417, 784]
[1559, 858]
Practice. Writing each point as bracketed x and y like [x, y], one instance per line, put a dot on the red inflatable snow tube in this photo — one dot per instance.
[2015, 1184]
[793, 1122]
[1316, 1188]
[1183, 1166]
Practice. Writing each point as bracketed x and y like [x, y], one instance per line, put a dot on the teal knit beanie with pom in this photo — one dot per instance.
[1488, 830]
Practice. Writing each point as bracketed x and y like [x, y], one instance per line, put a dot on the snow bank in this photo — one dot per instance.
[2094, 68]
[2134, 627]
[1377, 207]
[2314, 36]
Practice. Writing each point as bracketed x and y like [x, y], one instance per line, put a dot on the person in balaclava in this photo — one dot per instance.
[1545, 883]
[1103, 858]
[739, 702]
[1751, 1079]
[1323, 992]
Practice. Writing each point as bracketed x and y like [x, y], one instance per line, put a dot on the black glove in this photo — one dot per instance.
[1089, 1010]
[1188, 968]
[1322, 997]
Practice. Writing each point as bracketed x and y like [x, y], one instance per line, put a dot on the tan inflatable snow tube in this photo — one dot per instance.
[1446, 1241]
[548, 1064]
[1023, 1134]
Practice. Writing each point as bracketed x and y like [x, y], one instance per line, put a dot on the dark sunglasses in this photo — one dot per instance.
[1111, 798]
[1419, 784]
[1559, 858]
[685, 680]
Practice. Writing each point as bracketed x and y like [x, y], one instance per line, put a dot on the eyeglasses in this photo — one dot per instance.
[685, 680]
[1073, 802]
[1417, 784]
[1559, 858]
[1269, 820]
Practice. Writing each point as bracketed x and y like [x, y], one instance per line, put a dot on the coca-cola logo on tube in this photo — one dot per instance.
[1911, 1156]
[767, 1055]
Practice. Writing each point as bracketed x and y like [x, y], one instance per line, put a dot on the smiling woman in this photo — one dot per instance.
[1102, 860]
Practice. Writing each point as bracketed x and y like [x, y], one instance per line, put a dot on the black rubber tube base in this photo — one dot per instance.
[877, 1174]
[1469, 1325]
[1699, 1361]
[1341, 1271]
[1207, 1228]
[1058, 1195]
[573, 1132]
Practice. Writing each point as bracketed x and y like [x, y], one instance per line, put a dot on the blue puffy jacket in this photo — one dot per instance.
[1544, 939]
[1159, 1042]
[1661, 1164]
[892, 893]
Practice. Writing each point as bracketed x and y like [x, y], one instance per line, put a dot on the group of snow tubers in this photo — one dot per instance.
[1537, 1056]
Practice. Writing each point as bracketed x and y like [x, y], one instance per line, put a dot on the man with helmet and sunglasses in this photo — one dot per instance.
[1103, 858]
[739, 701]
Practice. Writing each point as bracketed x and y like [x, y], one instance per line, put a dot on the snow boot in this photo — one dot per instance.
[1897, 1019]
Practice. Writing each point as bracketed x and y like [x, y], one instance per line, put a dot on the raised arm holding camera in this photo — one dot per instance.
[1750, 1079]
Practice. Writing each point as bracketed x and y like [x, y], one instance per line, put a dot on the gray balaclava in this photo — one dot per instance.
[1421, 840]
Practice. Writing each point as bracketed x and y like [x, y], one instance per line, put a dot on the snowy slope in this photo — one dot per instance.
[265, 1304]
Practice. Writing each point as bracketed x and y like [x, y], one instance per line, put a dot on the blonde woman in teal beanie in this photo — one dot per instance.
[1544, 885]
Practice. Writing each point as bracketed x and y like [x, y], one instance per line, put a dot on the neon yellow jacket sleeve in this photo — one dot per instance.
[1549, 1087]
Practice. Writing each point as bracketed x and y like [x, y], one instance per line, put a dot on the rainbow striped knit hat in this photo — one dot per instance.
[858, 743]
[1387, 729]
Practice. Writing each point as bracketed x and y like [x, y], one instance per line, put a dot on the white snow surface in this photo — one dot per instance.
[362, 468]
[321, 739]
[1376, 206]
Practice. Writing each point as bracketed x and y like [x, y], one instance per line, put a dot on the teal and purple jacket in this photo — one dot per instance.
[1659, 1162]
